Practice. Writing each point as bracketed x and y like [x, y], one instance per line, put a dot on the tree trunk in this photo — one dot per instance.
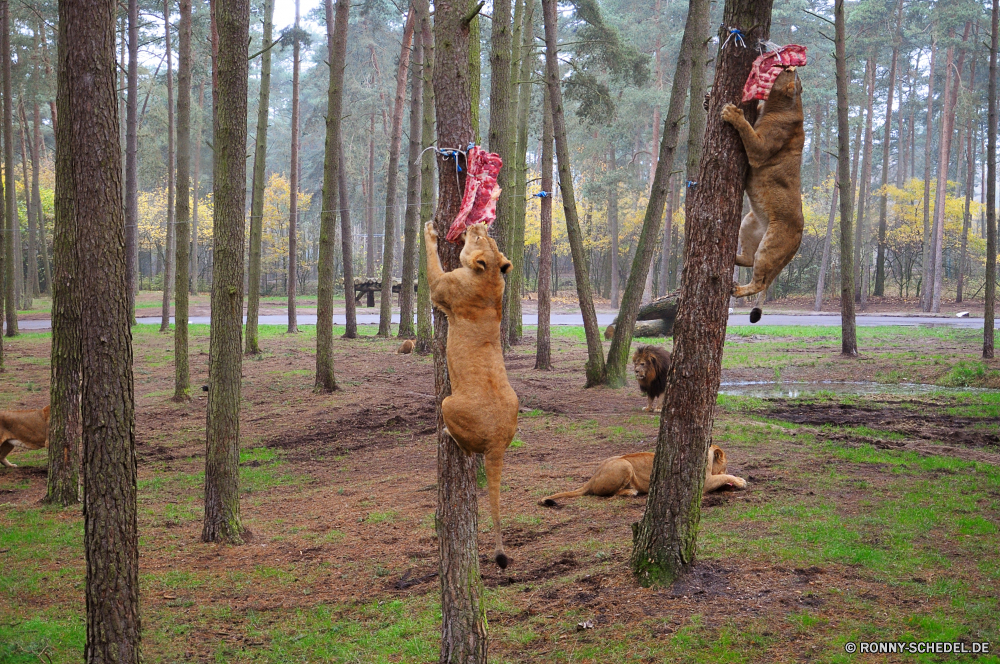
[848, 331]
[293, 198]
[334, 195]
[31, 287]
[182, 378]
[427, 188]
[392, 181]
[658, 73]
[346, 242]
[970, 178]
[543, 352]
[925, 264]
[516, 276]
[666, 537]
[695, 30]
[886, 141]
[902, 145]
[463, 612]
[258, 186]
[36, 195]
[170, 251]
[194, 191]
[668, 217]
[370, 203]
[501, 138]
[412, 216]
[991, 190]
[613, 222]
[12, 265]
[92, 227]
[475, 84]
[860, 243]
[595, 352]
[131, 158]
[947, 128]
[225, 351]
[826, 250]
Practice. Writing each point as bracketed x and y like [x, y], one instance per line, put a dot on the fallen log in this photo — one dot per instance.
[655, 319]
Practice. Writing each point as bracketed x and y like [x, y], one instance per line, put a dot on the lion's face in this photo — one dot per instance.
[645, 369]
[481, 253]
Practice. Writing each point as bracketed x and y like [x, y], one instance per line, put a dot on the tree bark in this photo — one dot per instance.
[370, 202]
[516, 277]
[36, 195]
[131, 157]
[31, 287]
[595, 352]
[861, 293]
[293, 198]
[334, 195]
[412, 216]
[427, 188]
[666, 537]
[613, 222]
[170, 251]
[970, 178]
[925, 264]
[826, 250]
[668, 218]
[695, 30]
[182, 378]
[347, 246]
[991, 190]
[543, 352]
[463, 613]
[225, 356]
[848, 330]
[392, 181]
[501, 139]
[258, 186]
[13, 265]
[886, 141]
[92, 227]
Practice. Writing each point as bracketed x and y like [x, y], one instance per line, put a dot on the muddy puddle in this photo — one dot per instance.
[792, 390]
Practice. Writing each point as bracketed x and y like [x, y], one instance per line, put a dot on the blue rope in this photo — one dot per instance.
[736, 35]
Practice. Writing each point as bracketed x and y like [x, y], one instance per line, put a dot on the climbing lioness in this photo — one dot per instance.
[628, 475]
[28, 428]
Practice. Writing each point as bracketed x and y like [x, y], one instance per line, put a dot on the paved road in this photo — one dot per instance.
[822, 320]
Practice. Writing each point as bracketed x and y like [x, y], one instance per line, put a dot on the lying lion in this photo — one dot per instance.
[650, 366]
[27, 428]
[481, 413]
[628, 475]
[771, 232]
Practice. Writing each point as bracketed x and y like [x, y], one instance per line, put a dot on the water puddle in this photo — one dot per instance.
[792, 390]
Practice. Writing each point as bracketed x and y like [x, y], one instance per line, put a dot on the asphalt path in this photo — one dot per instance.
[821, 320]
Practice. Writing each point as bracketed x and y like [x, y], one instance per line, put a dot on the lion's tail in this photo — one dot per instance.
[550, 501]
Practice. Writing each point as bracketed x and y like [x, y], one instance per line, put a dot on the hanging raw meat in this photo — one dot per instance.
[479, 202]
[767, 67]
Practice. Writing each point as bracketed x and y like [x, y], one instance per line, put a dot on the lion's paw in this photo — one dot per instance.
[732, 114]
[9, 464]
[430, 231]
[739, 483]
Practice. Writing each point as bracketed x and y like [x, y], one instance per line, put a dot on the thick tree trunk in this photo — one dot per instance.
[333, 196]
[991, 190]
[925, 264]
[182, 378]
[12, 266]
[225, 352]
[92, 226]
[293, 198]
[886, 141]
[131, 158]
[543, 352]
[392, 181]
[666, 537]
[258, 185]
[695, 30]
[412, 216]
[427, 165]
[463, 612]
[848, 330]
[501, 135]
[860, 243]
[516, 276]
[170, 253]
[826, 250]
[595, 352]
[947, 129]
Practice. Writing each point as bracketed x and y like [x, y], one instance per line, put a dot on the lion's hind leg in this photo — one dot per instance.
[713, 482]
[752, 230]
[5, 448]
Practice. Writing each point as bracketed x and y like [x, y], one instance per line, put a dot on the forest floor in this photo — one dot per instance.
[867, 518]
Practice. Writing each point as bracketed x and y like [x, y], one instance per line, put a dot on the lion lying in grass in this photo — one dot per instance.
[481, 413]
[628, 475]
[28, 428]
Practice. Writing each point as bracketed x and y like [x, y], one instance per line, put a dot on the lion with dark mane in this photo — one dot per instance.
[650, 365]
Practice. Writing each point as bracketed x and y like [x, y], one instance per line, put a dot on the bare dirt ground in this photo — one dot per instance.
[339, 498]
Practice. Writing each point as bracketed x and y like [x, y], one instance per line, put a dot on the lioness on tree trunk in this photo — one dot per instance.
[666, 537]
